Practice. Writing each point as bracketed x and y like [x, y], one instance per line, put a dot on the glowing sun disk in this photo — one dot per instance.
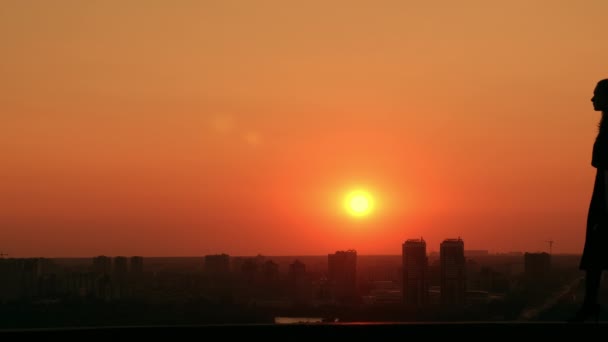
[358, 203]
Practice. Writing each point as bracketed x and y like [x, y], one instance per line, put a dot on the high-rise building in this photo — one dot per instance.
[297, 270]
[415, 269]
[120, 266]
[217, 264]
[342, 275]
[270, 271]
[137, 264]
[103, 288]
[81, 284]
[102, 264]
[249, 270]
[21, 277]
[119, 279]
[299, 284]
[453, 275]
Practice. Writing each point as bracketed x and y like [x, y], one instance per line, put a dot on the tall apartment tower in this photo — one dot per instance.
[342, 274]
[137, 264]
[453, 277]
[297, 270]
[217, 264]
[415, 277]
[121, 266]
[102, 264]
[299, 285]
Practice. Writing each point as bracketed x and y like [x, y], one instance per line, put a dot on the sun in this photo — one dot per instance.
[359, 203]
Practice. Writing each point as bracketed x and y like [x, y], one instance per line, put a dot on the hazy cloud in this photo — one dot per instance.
[222, 123]
[252, 138]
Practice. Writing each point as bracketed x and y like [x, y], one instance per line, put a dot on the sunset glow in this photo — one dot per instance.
[359, 203]
[344, 162]
[200, 125]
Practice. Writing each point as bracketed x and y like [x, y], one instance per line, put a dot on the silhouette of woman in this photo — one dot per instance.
[595, 253]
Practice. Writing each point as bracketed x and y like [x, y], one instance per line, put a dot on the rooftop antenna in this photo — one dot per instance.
[550, 242]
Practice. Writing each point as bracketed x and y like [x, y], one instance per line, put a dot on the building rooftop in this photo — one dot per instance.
[415, 240]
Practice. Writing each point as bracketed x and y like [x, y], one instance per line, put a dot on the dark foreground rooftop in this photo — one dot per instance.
[486, 331]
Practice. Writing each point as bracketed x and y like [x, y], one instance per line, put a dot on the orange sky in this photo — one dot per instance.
[166, 128]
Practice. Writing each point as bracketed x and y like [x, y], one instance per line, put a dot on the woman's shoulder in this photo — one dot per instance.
[599, 158]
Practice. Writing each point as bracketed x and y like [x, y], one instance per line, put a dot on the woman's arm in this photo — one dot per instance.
[606, 188]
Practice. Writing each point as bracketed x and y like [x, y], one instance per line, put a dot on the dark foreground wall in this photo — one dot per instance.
[368, 332]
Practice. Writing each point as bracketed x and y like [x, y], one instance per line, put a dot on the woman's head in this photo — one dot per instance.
[600, 96]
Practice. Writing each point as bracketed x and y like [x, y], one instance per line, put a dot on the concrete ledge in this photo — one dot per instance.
[368, 331]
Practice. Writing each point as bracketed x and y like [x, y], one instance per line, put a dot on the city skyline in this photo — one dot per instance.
[224, 254]
[431, 251]
[340, 280]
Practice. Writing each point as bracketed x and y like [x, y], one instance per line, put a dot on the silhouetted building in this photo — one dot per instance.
[48, 285]
[248, 265]
[536, 266]
[270, 271]
[473, 269]
[249, 270]
[269, 286]
[103, 288]
[492, 281]
[20, 277]
[300, 286]
[297, 270]
[453, 280]
[120, 266]
[342, 275]
[81, 284]
[415, 268]
[236, 264]
[119, 279]
[102, 264]
[217, 264]
[137, 264]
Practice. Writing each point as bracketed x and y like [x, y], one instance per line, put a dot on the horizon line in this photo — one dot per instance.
[262, 255]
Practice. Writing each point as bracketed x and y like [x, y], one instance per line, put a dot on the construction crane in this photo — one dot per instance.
[550, 242]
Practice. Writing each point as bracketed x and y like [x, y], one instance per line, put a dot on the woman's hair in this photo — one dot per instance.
[601, 89]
